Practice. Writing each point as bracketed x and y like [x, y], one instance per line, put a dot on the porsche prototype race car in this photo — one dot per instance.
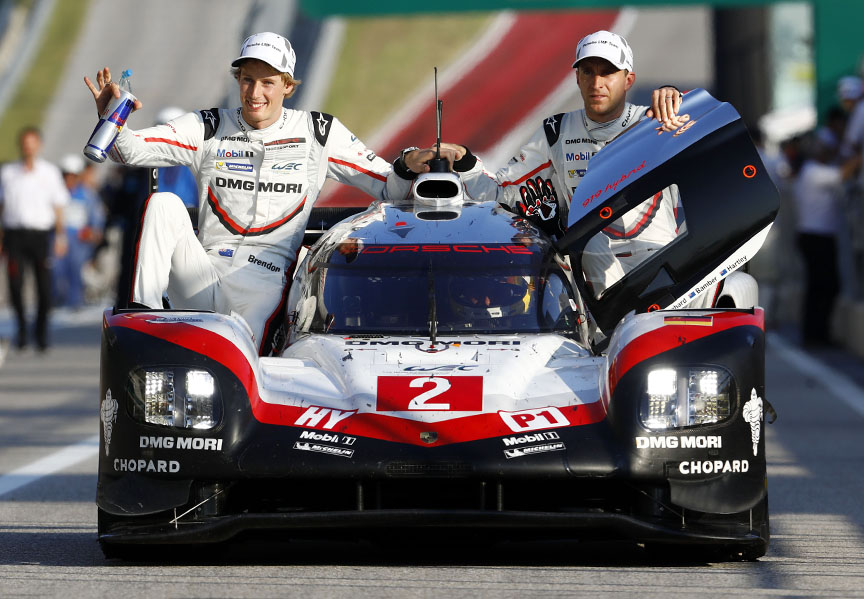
[446, 366]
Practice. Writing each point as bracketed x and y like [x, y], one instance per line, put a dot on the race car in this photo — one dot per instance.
[448, 368]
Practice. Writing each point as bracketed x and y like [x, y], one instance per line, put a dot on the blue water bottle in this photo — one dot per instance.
[111, 121]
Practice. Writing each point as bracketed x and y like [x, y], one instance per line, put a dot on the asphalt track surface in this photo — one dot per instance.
[49, 424]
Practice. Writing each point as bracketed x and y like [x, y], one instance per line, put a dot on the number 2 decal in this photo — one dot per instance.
[439, 386]
[430, 393]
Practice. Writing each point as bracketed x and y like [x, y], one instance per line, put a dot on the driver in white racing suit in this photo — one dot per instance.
[259, 170]
[540, 180]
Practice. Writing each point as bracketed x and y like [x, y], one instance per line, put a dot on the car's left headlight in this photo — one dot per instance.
[178, 397]
[681, 397]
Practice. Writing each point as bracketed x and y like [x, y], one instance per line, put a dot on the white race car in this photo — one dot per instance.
[447, 368]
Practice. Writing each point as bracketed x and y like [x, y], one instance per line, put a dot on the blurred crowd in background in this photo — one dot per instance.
[815, 253]
[104, 202]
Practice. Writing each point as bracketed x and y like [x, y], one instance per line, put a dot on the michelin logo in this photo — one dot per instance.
[328, 449]
[752, 413]
[108, 416]
[234, 166]
[533, 449]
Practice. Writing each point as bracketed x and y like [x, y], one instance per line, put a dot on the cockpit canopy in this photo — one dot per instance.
[355, 287]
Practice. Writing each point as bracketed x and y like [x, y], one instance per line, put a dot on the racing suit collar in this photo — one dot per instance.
[248, 129]
[611, 128]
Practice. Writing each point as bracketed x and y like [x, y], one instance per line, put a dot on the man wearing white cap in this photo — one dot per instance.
[259, 169]
[32, 203]
[84, 219]
[540, 180]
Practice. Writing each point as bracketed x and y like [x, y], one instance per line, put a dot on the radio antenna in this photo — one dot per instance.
[438, 106]
[438, 164]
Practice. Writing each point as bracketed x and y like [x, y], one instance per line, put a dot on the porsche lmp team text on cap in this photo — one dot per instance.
[608, 45]
[272, 48]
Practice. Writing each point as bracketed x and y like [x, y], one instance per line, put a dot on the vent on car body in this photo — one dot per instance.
[434, 469]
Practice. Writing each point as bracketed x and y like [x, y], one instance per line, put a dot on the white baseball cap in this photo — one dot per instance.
[850, 88]
[271, 48]
[72, 163]
[608, 45]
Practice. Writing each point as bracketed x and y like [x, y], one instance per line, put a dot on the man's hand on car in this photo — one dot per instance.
[417, 160]
[665, 103]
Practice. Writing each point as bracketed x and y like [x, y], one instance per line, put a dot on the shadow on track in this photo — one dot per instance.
[77, 548]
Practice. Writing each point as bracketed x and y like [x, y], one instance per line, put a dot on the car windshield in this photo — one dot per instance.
[403, 289]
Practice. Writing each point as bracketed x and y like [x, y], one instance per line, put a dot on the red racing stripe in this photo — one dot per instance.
[671, 336]
[170, 142]
[646, 218]
[138, 247]
[232, 225]
[357, 167]
[277, 317]
[531, 174]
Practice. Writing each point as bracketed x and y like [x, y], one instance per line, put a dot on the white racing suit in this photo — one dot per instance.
[256, 189]
[540, 181]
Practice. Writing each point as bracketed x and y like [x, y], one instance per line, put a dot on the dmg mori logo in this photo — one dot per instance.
[262, 187]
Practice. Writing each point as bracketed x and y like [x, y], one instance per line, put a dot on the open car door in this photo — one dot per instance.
[661, 217]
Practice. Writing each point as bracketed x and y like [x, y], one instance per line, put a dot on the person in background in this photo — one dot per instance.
[849, 92]
[540, 180]
[32, 199]
[84, 221]
[819, 199]
[124, 192]
[833, 131]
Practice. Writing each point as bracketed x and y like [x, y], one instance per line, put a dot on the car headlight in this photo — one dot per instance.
[681, 397]
[178, 397]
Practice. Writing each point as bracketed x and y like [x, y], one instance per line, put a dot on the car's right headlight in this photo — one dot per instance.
[178, 397]
[680, 397]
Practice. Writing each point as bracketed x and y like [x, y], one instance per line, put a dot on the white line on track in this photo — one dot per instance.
[66, 457]
[837, 383]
